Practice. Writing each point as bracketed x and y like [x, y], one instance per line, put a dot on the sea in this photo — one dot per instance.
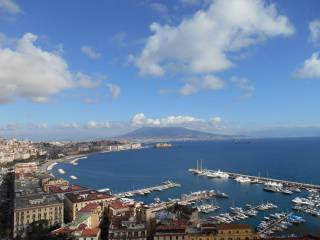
[296, 159]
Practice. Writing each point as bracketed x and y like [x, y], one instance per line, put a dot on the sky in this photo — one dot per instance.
[95, 69]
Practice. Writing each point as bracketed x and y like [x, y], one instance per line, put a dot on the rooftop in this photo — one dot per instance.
[117, 204]
[88, 195]
[66, 189]
[90, 232]
[89, 208]
[40, 200]
[232, 226]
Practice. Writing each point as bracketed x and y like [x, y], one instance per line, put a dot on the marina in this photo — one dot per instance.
[272, 184]
[239, 213]
[188, 199]
[278, 222]
[149, 167]
[144, 191]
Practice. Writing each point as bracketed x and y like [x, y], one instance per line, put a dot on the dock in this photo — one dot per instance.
[262, 180]
[144, 191]
[186, 199]
[271, 225]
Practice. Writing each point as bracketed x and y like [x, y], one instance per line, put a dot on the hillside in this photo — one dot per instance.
[171, 133]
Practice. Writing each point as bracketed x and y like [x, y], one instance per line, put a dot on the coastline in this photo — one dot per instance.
[73, 159]
[49, 164]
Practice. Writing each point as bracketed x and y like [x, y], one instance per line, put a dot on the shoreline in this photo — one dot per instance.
[49, 164]
[73, 159]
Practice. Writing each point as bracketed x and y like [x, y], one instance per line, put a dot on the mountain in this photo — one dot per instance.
[171, 134]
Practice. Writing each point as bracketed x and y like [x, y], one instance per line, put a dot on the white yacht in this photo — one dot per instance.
[221, 174]
[302, 201]
[273, 184]
[61, 171]
[241, 179]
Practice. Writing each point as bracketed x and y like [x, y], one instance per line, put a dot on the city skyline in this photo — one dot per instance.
[75, 70]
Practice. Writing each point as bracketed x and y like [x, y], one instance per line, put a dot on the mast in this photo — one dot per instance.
[197, 164]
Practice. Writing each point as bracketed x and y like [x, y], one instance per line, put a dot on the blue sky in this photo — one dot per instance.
[81, 69]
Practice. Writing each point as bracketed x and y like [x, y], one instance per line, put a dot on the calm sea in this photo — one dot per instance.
[290, 159]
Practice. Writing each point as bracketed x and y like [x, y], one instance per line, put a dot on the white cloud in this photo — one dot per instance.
[207, 82]
[310, 68]
[9, 6]
[96, 125]
[90, 52]
[86, 81]
[216, 120]
[314, 28]
[114, 90]
[30, 72]
[245, 85]
[141, 120]
[69, 125]
[201, 43]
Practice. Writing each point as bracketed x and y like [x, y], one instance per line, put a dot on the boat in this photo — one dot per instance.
[286, 191]
[302, 201]
[273, 184]
[207, 208]
[61, 171]
[241, 179]
[220, 174]
[73, 177]
[219, 194]
[271, 189]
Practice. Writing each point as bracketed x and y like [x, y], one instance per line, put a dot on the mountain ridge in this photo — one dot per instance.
[171, 134]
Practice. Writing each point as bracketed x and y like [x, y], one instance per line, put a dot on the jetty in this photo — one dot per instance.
[272, 224]
[144, 191]
[258, 179]
[186, 199]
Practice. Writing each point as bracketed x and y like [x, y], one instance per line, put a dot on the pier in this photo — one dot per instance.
[144, 191]
[260, 180]
[187, 199]
[272, 224]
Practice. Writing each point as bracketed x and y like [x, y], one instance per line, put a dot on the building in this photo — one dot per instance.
[118, 208]
[123, 228]
[236, 232]
[86, 224]
[77, 200]
[31, 208]
[26, 167]
[171, 230]
[210, 231]
[46, 184]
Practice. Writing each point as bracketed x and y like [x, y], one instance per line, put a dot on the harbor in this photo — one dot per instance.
[187, 199]
[144, 191]
[272, 184]
[150, 167]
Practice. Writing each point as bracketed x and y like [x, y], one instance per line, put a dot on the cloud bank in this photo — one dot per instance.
[29, 72]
